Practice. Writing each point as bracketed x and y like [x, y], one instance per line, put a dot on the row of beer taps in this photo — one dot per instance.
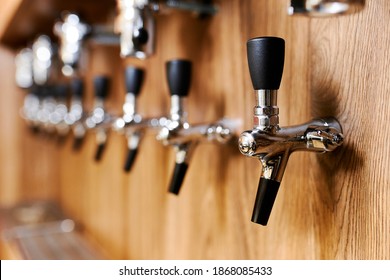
[49, 108]
[43, 68]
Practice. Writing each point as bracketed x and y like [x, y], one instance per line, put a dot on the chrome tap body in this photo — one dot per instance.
[268, 142]
[178, 132]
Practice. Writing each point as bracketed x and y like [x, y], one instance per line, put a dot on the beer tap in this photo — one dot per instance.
[324, 8]
[76, 115]
[72, 33]
[132, 124]
[99, 120]
[57, 117]
[178, 132]
[269, 142]
[136, 24]
[43, 64]
[24, 79]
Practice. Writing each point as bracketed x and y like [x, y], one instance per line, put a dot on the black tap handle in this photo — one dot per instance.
[179, 76]
[133, 79]
[60, 91]
[178, 177]
[266, 61]
[77, 87]
[131, 155]
[265, 198]
[99, 151]
[140, 37]
[101, 86]
[77, 143]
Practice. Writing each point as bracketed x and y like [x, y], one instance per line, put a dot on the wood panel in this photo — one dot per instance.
[332, 206]
[10, 134]
[350, 77]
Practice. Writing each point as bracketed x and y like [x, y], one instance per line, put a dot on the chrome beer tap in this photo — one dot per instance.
[46, 109]
[323, 8]
[57, 118]
[76, 115]
[132, 124]
[72, 32]
[268, 142]
[99, 120]
[43, 69]
[178, 132]
[24, 79]
[136, 24]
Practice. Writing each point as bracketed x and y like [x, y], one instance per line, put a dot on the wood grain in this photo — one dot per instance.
[329, 206]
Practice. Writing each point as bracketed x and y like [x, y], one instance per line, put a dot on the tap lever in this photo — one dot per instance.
[265, 198]
[266, 61]
[133, 141]
[130, 159]
[133, 79]
[133, 83]
[101, 140]
[99, 151]
[179, 76]
[101, 86]
[183, 155]
[77, 87]
[77, 143]
[178, 177]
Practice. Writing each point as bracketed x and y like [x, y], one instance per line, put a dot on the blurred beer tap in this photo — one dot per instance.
[99, 120]
[43, 74]
[132, 124]
[136, 24]
[180, 134]
[72, 33]
[24, 80]
[57, 117]
[325, 8]
[76, 115]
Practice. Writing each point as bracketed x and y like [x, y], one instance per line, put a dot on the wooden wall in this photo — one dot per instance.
[333, 206]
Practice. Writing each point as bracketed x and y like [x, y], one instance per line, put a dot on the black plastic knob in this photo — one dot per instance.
[265, 198]
[179, 76]
[266, 61]
[101, 86]
[133, 79]
[77, 87]
[140, 37]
